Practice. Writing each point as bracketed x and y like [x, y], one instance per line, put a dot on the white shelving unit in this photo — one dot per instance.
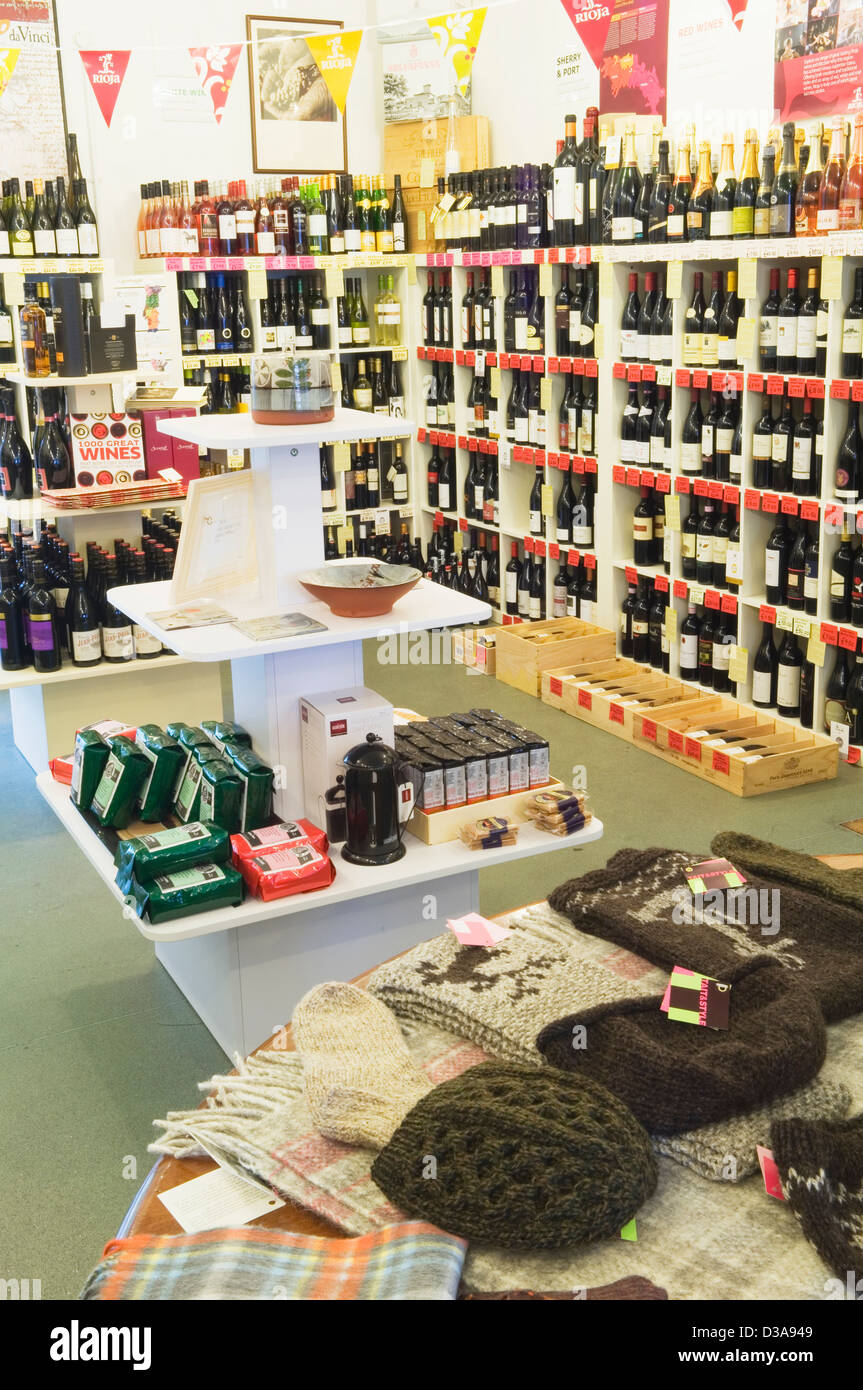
[243, 969]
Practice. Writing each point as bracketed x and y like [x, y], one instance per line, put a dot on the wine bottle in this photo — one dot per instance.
[628, 423]
[803, 453]
[512, 575]
[831, 185]
[626, 194]
[848, 463]
[720, 661]
[789, 663]
[761, 220]
[782, 448]
[721, 532]
[535, 504]
[563, 513]
[565, 187]
[704, 545]
[688, 646]
[693, 327]
[762, 444]
[42, 623]
[690, 453]
[857, 588]
[764, 670]
[710, 323]
[776, 564]
[836, 693]
[53, 465]
[810, 578]
[786, 339]
[728, 318]
[852, 331]
[657, 219]
[701, 202]
[841, 568]
[82, 620]
[783, 198]
[524, 583]
[809, 187]
[854, 704]
[851, 193]
[796, 571]
[734, 557]
[642, 530]
[626, 612]
[678, 199]
[746, 193]
[13, 643]
[807, 694]
[706, 632]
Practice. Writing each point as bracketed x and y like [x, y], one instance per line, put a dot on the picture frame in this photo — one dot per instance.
[225, 549]
[297, 127]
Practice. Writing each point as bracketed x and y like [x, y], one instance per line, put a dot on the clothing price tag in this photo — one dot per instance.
[769, 1170]
[672, 511]
[831, 277]
[341, 456]
[816, 650]
[335, 282]
[738, 665]
[219, 1198]
[546, 285]
[674, 279]
[545, 393]
[747, 287]
[629, 1231]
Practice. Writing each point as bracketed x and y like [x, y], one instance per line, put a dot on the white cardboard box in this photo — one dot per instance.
[332, 722]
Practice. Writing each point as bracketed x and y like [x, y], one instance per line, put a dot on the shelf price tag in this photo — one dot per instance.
[809, 511]
[728, 603]
[257, 283]
[816, 650]
[336, 376]
[696, 594]
[495, 382]
[544, 393]
[747, 281]
[831, 277]
[674, 279]
[848, 639]
[341, 456]
[801, 627]
[784, 621]
[829, 634]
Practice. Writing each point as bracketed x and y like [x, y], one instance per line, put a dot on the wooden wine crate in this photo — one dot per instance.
[476, 647]
[526, 650]
[691, 727]
[419, 204]
[436, 827]
[408, 144]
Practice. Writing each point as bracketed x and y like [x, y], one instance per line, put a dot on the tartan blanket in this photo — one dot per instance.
[410, 1261]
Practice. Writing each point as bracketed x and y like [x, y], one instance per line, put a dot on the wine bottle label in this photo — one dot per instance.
[779, 447]
[67, 241]
[535, 522]
[521, 429]
[345, 335]
[794, 584]
[586, 338]
[720, 550]
[642, 452]
[87, 646]
[145, 642]
[772, 568]
[704, 549]
[585, 611]
[206, 339]
[563, 186]
[695, 220]
[627, 451]
[689, 650]
[639, 628]
[320, 316]
[810, 584]
[806, 326]
[761, 687]
[692, 345]
[361, 334]
[657, 450]
[642, 528]
[742, 222]
[837, 585]
[735, 467]
[622, 228]
[768, 332]
[4, 242]
[353, 239]
[117, 641]
[227, 226]
[690, 458]
[318, 225]
[724, 439]
[801, 458]
[727, 349]
[781, 217]
[734, 563]
[827, 220]
[363, 398]
[6, 335]
[762, 446]
[574, 320]
[521, 334]
[582, 535]
[707, 441]
[44, 241]
[786, 336]
[722, 223]
[535, 608]
[444, 497]
[721, 656]
[676, 226]
[852, 335]
[265, 243]
[788, 686]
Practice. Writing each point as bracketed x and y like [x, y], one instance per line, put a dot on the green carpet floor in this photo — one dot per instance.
[96, 1040]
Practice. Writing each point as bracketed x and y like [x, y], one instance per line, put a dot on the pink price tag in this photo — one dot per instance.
[770, 1173]
[173, 263]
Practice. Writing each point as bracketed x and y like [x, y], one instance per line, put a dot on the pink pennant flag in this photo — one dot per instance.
[215, 67]
[106, 68]
[738, 10]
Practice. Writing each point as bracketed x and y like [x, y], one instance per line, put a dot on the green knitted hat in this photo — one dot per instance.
[520, 1158]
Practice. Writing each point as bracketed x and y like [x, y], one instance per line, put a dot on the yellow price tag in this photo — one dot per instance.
[495, 382]
[400, 354]
[746, 278]
[831, 277]
[547, 504]
[738, 665]
[335, 283]
[346, 533]
[546, 283]
[816, 650]
[674, 279]
[670, 624]
[411, 265]
[801, 627]
[497, 281]
[672, 511]
[13, 288]
[458, 542]
[606, 277]
[745, 339]
[545, 393]
[696, 594]
[257, 284]
[599, 339]
[341, 456]
[426, 173]
[336, 376]
[784, 621]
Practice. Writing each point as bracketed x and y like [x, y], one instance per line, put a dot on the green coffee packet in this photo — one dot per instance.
[187, 804]
[199, 889]
[257, 778]
[124, 775]
[222, 731]
[221, 795]
[145, 857]
[167, 758]
[91, 755]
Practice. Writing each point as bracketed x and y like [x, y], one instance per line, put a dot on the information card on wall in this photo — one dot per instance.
[633, 75]
[818, 59]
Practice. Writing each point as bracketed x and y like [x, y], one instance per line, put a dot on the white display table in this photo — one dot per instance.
[244, 969]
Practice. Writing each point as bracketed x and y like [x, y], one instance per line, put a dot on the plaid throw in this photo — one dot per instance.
[407, 1262]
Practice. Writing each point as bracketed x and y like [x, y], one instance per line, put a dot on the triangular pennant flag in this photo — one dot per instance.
[106, 68]
[457, 36]
[336, 57]
[8, 63]
[592, 23]
[738, 10]
[215, 66]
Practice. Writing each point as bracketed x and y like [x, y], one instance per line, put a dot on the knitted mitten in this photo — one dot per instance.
[359, 1078]
[821, 1167]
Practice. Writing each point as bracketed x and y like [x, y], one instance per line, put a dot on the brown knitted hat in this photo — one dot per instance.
[521, 1158]
[677, 1076]
[821, 1167]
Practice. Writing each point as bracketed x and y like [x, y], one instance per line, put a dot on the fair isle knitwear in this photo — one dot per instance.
[677, 1076]
[634, 901]
[821, 1168]
[525, 1159]
[359, 1078]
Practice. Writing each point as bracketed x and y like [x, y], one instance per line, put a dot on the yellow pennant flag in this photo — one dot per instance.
[8, 61]
[336, 57]
[457, 36]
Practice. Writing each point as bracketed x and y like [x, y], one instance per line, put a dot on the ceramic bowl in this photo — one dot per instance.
[359, 588]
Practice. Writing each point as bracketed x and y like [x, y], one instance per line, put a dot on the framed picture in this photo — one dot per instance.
[225, 548]
[296, 126]
[32, 113]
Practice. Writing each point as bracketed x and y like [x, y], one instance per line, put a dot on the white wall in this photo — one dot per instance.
[140, 144]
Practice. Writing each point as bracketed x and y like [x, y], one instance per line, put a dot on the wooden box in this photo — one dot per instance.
[526, 650]
[409, 144]
[476, 647]
[419, 203]
[439, 826]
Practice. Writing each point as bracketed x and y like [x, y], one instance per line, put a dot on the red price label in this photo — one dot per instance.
[755, 382]
[815, 389]
[459, 358]
[554, 550]
[796, 387]
[731, 495]
[767, 613]
[472, 445]
[829, 634]
[631, 574]
[538, 364]
[809, 511]
[675, 741]
[840, 390]
[790, 506]
[591, 367]
[577, 367]
[434, 437]
[693, 749]
[585, 699]
[681, 484]
[539, 549]
[580, 465]
[714, 490]
[682, 377]
[615, 714]
[462, 523]
[555, 685]
[663, 482]
[554, 460]
[483, 446]
[633, 477]
[728, 604]
[572, 556]
[718, 381]
[589, 561]
[529, 545]
[848, 639]
[857, 391]
[769, 502]
[503, 361]
[590, 465]
[699, 381]
[680, 588]
[438, 518]
[721, 762]
[618, 473]
[711, 598]
[853, 755]
[775, 385]
[633, 372]
[660, 583]
[552, 253]
[647, 477]
[618, 371]
[490, 359]
[702, 487]
[648, 729]
[648, 372]
[553, 364]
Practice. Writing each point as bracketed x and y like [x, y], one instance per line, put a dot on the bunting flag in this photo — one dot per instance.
[8, 61]
[106, 68]
[215, 65]
[457, 37]
[336, 57]
[592, 23]
[738, 10]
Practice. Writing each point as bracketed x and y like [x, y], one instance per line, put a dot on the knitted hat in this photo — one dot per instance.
[802, 870]
[676, 1076]
[821, 1167]
[636, 901]
[519, 1158]
[634, 1288]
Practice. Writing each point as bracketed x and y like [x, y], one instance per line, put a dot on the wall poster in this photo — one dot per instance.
[32, 116]
[818, 58]
[633, 74]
